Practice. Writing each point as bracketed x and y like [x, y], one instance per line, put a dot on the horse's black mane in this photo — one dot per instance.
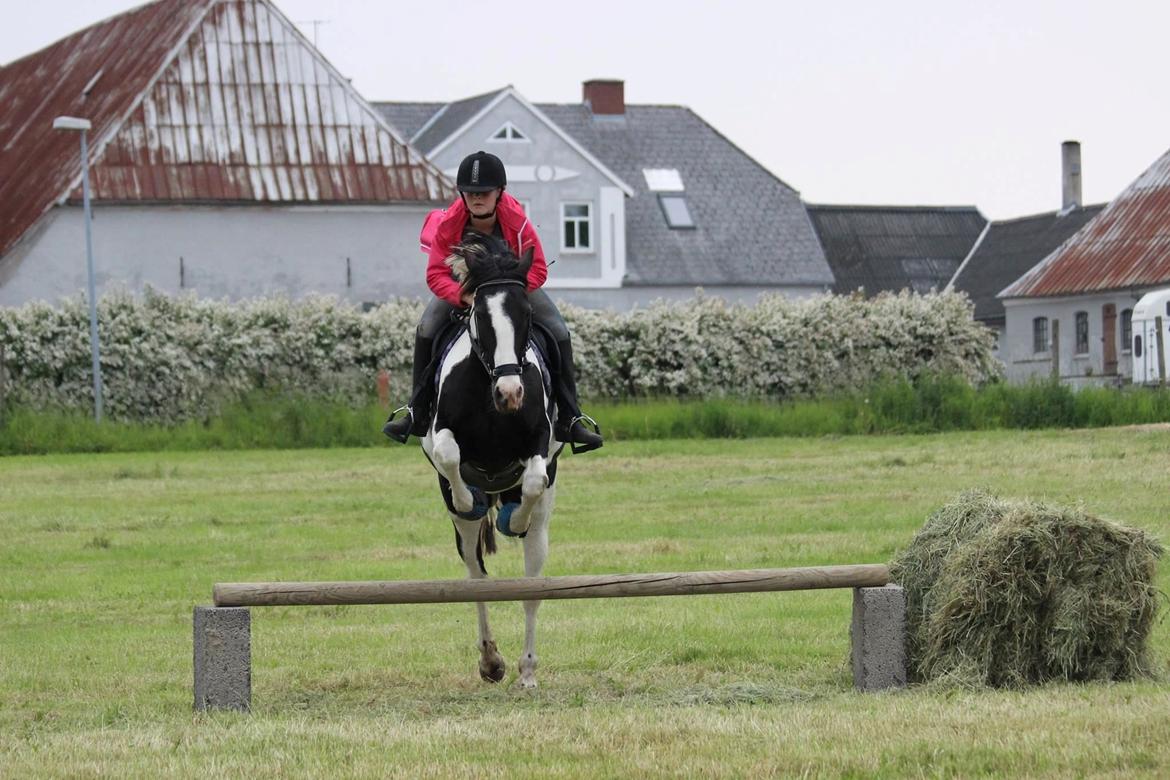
[484, 259]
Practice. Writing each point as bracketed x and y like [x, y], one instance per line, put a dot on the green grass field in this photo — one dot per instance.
[104, 557]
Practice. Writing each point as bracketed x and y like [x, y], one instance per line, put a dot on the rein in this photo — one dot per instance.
[506, 369]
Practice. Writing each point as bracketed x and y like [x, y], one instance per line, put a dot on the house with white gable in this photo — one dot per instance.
[632, 202]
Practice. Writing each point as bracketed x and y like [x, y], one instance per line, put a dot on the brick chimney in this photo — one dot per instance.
[1070, 164]
[605, 96]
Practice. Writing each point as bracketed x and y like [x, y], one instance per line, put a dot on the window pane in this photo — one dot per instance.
[677, 213]
[1040, 334]
[584, 235]
[577, 210]
[502, 134]
[570, 235]
[1082, 332]
[516, 134]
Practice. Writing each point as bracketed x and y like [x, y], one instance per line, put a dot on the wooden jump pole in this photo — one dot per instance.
[270, 594]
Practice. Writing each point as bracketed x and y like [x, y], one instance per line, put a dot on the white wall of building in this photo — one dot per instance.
[1023, 363]
[626, 298]
[364, 254]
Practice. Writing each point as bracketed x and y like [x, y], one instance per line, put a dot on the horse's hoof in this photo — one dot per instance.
[527, 683]
[493, 671]
[491, 663]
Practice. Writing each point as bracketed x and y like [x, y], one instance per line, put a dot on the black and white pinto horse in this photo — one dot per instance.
[491, 436]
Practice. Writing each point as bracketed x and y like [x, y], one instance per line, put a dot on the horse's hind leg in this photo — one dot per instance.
[535, 552]
[491, 663]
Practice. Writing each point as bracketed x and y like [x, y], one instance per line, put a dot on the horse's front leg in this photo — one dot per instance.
[471, 549]
[445, 456]
[535, 552]
[532, 487]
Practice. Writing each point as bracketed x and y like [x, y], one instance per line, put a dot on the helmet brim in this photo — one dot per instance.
[477, 188]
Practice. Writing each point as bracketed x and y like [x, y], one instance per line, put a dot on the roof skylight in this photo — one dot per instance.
[663, 179]
[676, 211]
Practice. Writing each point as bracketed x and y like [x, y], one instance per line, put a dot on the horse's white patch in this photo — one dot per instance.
[460, 351]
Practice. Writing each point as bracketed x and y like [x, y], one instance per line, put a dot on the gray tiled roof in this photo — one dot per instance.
[1012, 248]
[407, 118]
[450, 119]
[750, 227]
[891, 248]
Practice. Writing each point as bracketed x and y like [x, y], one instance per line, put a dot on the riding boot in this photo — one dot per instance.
[417, 415]
[571, 423]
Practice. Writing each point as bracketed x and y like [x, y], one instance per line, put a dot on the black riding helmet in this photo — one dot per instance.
[481, 172]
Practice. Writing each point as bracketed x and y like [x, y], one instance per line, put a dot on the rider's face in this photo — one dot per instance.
[481, 204]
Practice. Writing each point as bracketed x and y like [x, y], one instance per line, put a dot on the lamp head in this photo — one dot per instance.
[71, 123]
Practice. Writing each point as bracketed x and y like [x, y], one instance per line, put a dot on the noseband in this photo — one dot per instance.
[507, 369]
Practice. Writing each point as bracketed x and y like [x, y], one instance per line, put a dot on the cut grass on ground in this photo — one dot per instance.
[105, 556]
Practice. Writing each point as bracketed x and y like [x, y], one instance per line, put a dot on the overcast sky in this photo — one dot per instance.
[896, 102]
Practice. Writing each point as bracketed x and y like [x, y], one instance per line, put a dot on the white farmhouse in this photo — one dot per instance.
[1071, 315]
[228, 158]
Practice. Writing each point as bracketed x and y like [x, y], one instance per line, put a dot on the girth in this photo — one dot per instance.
[478, 476]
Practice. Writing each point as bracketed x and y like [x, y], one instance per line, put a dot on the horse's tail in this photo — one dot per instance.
[487, 535]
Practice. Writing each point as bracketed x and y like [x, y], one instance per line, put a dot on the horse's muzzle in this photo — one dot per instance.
[508, 394]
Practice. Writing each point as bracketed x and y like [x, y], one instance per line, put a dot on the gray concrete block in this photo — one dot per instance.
[878, 637]
[223, 658]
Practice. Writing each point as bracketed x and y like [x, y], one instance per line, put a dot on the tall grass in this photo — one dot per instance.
[933, 404]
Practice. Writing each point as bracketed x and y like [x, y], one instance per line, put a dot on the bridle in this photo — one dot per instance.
[507, 369]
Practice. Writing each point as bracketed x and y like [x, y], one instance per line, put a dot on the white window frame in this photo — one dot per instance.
[509, 129]
[587, 219]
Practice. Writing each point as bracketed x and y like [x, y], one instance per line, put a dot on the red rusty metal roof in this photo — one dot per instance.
[1126, 246]
[196, 101]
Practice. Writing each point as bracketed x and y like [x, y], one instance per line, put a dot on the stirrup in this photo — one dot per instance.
[588, 421]
[390, 421]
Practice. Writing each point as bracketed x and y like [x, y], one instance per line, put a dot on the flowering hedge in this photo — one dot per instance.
[168, 359]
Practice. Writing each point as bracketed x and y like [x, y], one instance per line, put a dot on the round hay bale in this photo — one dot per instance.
[1011, 593]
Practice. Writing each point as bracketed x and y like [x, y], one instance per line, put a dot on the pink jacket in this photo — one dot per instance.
[443, 229]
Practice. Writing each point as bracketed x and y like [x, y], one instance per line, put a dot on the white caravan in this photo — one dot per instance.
[1154, 307]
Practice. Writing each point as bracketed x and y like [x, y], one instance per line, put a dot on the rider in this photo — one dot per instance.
[483, 207]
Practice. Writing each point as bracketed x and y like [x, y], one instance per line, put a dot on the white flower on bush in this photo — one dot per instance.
[173, 358]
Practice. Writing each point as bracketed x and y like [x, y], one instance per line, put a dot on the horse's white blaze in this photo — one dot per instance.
[502, 326]
[510, 388]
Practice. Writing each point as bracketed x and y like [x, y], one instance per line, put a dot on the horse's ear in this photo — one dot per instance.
[526, 259]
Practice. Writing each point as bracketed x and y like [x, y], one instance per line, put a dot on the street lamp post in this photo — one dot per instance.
[83, 125]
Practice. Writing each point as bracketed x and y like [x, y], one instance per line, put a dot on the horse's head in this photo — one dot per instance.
[500, 314]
